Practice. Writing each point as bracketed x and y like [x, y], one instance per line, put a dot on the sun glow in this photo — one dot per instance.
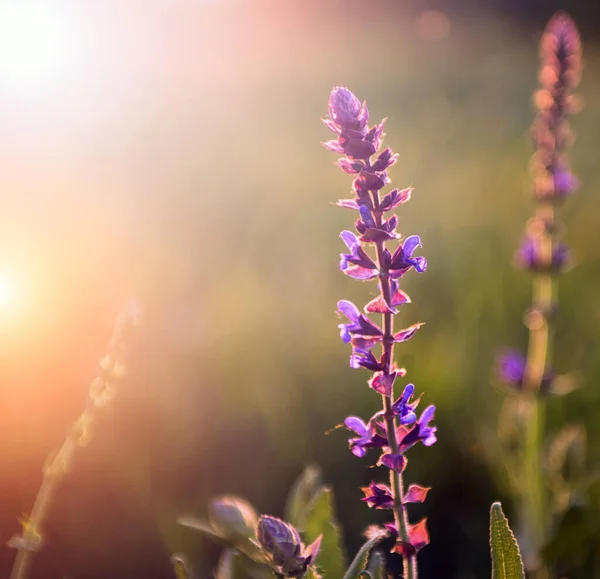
[33, 43]
[8, 292]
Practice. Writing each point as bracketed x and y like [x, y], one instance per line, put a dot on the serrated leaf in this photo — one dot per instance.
[376, 565]
[360, 560]
[229, 566]
[321, 520]
[506, 557]
[301, 495]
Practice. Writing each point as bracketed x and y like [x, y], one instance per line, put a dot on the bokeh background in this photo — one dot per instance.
[169, 151]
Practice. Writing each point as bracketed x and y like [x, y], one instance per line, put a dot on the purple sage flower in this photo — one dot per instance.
[395, 428]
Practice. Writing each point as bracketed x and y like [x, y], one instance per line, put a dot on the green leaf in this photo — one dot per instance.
[312, 574]
[321, 520]
[244, 544]
[301, 495]
[506, 557]
[360, 561]
[376, 565]
[204, 527]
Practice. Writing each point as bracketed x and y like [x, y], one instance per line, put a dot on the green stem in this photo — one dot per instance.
[396, 479]
[538, 356]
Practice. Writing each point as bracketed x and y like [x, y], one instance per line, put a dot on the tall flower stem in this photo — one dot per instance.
[539, 354]
[396, 479]
[57, 466]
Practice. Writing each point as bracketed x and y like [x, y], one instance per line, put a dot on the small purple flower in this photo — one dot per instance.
[402, 407]
[402, 259]
[512, 366]
[378, 496]
[421, 432]
[367, 435]
[531, 257]
[359, 324]
[357, 263]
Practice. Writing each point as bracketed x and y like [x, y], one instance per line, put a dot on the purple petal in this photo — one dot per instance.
[349, 310]
[333, 146]
[410, 244]
[350, 240]
[357, 425]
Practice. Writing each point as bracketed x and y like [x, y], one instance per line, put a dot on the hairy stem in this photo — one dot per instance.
[396, 479]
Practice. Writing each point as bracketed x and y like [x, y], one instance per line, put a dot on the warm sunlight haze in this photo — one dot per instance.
[33, 43]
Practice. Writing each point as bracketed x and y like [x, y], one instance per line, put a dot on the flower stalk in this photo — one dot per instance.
[395, 428]
[102, 390]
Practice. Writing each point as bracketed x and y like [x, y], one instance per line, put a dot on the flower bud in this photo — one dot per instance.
[282, 546]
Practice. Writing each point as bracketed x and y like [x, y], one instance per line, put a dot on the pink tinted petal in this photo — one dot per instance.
[400, 298]
[383, 383]
[333, 146]
[378, 306]
[348, 203]
[407, 333]
[331, 125]
[416, 494]
[404, 549]
[419, 537]
[362, 273]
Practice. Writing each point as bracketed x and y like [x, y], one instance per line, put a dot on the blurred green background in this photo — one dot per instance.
[179, 161]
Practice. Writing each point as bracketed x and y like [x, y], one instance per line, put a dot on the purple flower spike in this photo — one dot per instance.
[395, 428]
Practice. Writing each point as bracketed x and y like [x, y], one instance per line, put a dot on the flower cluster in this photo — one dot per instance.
[396, 428]
[541, 251]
